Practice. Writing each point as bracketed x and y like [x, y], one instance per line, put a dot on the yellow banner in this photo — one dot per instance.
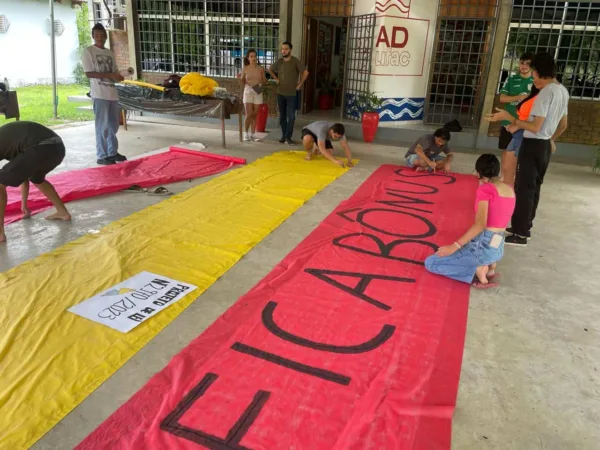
[51, 359]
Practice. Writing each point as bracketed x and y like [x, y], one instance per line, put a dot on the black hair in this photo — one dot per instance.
[289, 44]
[534, 92]
[247, 57]
[338, 128]
[442, 133]
[544, 64]
[99, 27]
[526, 57]
[488, 166]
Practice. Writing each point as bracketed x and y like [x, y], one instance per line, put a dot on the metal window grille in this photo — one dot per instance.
[206, 36]
[361, 34]
[320, 8]
[567, 30]
[4, 24]
[465, 31]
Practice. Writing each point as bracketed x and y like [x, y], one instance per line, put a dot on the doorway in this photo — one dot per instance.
[325, 59]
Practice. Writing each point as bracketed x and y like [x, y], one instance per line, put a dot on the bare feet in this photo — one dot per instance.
[26, 213]
[481, 274]
[308, 156]
[2, 236]
[491, 270]
[59, 216]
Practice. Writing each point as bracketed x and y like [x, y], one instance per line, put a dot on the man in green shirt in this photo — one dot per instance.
[516, 88]
[290, 74]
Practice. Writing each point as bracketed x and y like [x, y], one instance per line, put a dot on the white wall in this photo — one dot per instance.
[25, 49]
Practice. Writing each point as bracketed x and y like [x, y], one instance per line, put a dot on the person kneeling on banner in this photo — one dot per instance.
[317, 137]
[32, 151]
[426, 153]
[473, 257]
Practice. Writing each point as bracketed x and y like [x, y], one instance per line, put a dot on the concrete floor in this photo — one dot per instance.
[530, 372]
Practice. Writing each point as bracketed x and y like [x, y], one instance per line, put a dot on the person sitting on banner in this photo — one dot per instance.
[473, 257]
[317, 137]
[426, 153]
[512, 151]
[32, 151]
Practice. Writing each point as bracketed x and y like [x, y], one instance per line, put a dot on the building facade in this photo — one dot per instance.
[431, 61]
[25, 41]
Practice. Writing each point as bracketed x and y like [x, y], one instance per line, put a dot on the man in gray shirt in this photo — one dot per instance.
[426, 153]
[547, 121]
[317, 137]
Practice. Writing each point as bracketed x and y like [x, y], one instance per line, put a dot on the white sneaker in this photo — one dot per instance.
[255, 138]
[246, 137]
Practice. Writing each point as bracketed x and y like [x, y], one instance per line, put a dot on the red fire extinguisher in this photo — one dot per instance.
[261, 117]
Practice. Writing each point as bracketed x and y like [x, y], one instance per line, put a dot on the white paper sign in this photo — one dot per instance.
[126, 305]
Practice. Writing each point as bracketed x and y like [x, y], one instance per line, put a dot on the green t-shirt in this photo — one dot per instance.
[515, 85]
[288, 73]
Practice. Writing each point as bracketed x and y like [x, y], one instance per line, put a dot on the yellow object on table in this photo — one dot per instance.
[196, 84]
[144, 84]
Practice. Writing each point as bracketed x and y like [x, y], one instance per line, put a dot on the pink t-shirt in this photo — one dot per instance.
[500, 209]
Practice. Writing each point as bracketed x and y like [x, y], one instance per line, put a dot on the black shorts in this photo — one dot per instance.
[33, 164]
[306, 132]
[504, 139]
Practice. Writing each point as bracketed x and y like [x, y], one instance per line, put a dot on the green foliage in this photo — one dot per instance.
[85, 40]
[367, 103]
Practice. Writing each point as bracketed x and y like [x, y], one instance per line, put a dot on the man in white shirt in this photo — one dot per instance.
[100, 67]
[547, 121]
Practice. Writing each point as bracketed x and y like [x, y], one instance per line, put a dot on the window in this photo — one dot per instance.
[460, 61]
[569, 31]
[206, 36]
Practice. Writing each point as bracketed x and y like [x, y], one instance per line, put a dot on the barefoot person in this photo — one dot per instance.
[547, 122]
[100, 67]
[472, 258]
[251, 77]
[317, 137]
[32, 151]
[426, 153]
[515, 90]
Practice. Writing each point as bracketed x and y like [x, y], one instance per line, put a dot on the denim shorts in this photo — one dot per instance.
[412, 159]
[462, 264]
[516, 141]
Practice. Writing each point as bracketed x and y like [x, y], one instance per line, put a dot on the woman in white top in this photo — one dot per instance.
[252, 77]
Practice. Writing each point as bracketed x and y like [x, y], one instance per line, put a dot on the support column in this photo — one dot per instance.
[502, 28]
[132, 36]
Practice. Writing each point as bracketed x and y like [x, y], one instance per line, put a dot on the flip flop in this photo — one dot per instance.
[136, 189]
[160, 191]
[479, 285]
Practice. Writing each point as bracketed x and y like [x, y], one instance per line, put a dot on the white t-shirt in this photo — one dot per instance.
[552, 103]
[101, 60]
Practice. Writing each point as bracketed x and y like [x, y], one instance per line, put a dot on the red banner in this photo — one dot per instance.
[347, 344]
[177, 164]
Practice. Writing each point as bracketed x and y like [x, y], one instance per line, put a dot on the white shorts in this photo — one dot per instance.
[250, 96]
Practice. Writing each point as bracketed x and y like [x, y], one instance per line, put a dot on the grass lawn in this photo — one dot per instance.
[35, 104]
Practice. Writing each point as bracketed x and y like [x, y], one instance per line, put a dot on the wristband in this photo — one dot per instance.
[457, 245]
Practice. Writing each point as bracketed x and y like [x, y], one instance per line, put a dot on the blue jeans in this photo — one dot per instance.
[515, 142]
[107, 124]
[412, 159]
[287, 114]
[462, 264]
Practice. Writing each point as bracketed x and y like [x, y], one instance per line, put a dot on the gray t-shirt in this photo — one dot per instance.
[429, 147]
[321, 131]
[18, 137]
[552, 103]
